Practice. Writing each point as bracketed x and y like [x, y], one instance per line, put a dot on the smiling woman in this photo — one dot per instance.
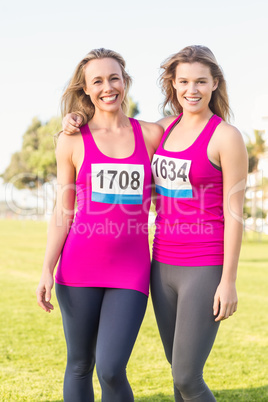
[106, 88]
[75, 97]
[194, 85]
[102, 279]
[200, 170]
[184, 63]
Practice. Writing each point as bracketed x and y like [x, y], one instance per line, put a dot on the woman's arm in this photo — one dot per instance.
[166, 121]
[152, 134]
[234, 163]
[61, 219]
[72, 121]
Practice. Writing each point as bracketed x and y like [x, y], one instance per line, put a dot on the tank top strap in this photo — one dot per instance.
[140, 147]
[168, 129]
[84, 130]
[87, 137]
[208, 131]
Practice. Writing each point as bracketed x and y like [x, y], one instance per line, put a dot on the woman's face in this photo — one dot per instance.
[104, 84]
[194, 85]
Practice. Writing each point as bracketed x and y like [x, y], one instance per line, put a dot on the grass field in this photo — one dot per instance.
[32, 346]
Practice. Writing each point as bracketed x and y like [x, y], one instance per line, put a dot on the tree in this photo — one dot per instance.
[255, 149]
[133, 108]
[35, 163]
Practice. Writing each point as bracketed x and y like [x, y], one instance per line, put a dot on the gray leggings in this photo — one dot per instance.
[183, 304]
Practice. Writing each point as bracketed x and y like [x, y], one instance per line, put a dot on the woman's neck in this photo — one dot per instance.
[192, 119]
[109, 120]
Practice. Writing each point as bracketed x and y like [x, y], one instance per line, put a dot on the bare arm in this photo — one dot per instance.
[152, 134]
[234, 162]
[163, 123]
[60, 222]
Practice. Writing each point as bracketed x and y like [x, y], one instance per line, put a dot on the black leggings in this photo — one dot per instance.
[101, 326]
[183, 304]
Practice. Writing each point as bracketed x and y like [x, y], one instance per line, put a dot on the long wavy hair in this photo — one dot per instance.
[74, 98]
[219, 103]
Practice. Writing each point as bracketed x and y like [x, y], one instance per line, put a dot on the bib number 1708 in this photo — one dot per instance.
[125, 179]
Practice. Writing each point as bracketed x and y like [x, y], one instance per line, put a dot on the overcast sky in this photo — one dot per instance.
[42, 42]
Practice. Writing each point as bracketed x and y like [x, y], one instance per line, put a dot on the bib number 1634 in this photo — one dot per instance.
[171, 176]
[167, 169]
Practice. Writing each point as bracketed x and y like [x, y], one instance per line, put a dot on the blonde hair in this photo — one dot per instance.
[219, 103]
[74, 98]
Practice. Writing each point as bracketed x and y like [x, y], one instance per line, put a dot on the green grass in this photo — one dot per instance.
[32, 346]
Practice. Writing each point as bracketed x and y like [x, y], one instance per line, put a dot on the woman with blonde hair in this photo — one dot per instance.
[200, 170]
[102, 279]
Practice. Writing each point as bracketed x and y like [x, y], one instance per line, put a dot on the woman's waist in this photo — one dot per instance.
[185, 232]
[189, 209]
[197, 218]
[103, 226]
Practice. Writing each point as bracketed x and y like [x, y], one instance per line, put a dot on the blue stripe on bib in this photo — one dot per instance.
[117, 198]
[178, 193]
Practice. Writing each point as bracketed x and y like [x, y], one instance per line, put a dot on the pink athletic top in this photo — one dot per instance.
[190, 222]
[107, 245]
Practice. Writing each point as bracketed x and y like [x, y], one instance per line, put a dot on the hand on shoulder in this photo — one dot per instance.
[71, 123]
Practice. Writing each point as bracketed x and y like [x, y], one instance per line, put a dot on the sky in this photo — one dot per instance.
[42, 42]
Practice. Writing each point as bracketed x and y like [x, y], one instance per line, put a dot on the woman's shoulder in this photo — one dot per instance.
[152, 132]
[149, 126]
[65, 144]
[227, 131]
[166, 121]
[229, 138]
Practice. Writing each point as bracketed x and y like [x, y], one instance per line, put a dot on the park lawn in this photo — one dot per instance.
[32, 346]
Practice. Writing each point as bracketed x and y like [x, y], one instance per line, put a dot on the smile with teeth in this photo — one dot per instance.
[109, 98]
[192, 99]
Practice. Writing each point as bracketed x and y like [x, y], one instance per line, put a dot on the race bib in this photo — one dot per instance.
[114, 183]
[171, 176]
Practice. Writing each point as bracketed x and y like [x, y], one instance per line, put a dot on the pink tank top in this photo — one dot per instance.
[107, 245]
[190, 222]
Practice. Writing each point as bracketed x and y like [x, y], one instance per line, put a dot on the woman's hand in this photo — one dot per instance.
[225, 301]
[71, 123]
[43, 292]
